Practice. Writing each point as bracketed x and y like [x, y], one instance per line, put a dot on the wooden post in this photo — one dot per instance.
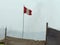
[5, 36]
[46, 32]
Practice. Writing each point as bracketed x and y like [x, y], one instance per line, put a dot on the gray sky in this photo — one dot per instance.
[54, 14]
[11, 15]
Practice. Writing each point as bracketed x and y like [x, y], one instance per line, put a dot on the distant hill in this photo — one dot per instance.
[28, 35]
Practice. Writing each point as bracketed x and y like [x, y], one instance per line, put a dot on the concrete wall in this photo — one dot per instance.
[53, 37]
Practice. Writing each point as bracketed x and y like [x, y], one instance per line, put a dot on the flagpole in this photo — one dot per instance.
[25, 10]
[23, 24]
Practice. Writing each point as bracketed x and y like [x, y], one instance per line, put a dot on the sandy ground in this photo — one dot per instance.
[18, 41]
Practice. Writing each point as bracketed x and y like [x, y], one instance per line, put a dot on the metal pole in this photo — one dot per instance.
[23, 24]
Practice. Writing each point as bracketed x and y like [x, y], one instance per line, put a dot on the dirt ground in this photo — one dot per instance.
[18, 41]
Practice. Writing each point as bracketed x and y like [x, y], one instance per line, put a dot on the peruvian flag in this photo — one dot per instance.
[27, 11]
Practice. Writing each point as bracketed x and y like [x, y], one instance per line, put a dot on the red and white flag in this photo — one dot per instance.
[27, 11]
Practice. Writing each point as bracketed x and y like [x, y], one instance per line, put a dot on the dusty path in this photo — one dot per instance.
[16, 41]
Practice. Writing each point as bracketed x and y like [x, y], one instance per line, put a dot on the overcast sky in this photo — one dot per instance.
[11, 15]
[54, 14]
